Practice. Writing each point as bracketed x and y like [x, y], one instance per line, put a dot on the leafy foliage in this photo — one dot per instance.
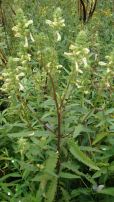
[57, 109]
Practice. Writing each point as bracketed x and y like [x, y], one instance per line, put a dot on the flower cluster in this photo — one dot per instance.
[57, 24]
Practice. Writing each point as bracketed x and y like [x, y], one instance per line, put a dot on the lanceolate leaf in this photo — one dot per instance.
[68, 175]
[50, 195]
[73, 167]
[65, 194]
[38, 133]
[108, 191]
[13, 175]
[78, 130]
[99, 137]
[51, 162]
[79, 155]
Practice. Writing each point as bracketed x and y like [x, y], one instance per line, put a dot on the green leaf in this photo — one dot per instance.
[97, 174]
[50, 194]
[68, 175]
[37, 133]
[37, 178]
[78, 130]
[79, 155]
[12, 175]
[65, 194]
[21, 134]
[51, 162]
[78, 191]
[100, 172]
[99, 137]
[89, 149]
[107, 191]
[109, 111]
[73, 167]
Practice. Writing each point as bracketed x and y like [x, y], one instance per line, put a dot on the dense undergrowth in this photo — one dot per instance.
[57, 102]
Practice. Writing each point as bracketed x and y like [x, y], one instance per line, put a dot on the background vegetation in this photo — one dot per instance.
[56, 102]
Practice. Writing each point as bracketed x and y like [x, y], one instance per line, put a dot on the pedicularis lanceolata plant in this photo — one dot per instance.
[57, 131]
